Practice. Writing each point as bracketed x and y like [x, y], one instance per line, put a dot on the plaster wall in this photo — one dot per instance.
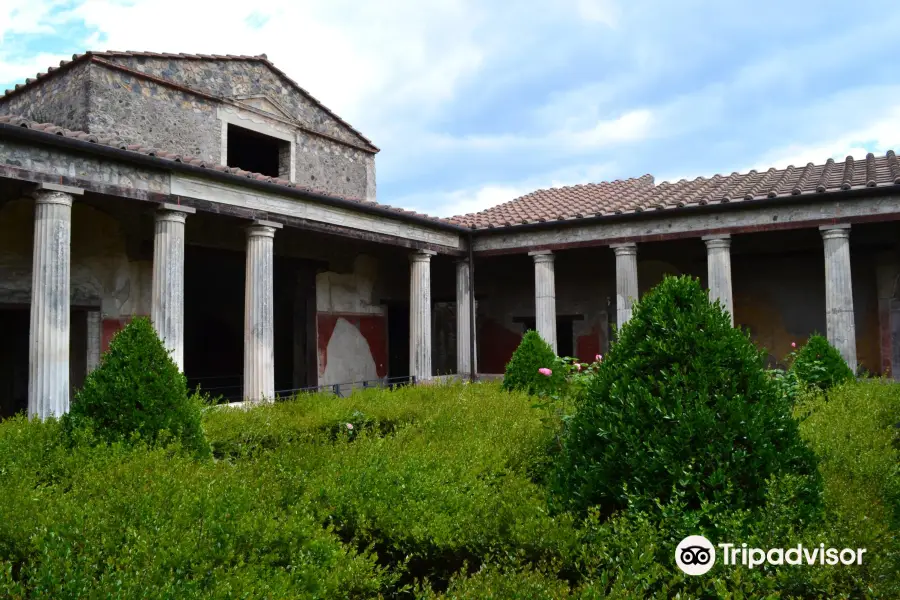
[103, 274]
[779, 298]
[351, 324]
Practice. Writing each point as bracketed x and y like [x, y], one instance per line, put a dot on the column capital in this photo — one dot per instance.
[165, 212]
[837, 231]
[627, 249]
[168, 207]
[422, 255]
[44, 196]
[542, 256]
[717, 241]
[261, 228]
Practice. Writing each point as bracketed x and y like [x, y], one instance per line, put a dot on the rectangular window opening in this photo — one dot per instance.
[258, 153]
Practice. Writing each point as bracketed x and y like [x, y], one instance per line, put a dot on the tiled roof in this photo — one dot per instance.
[639, 195]
[132, 53]
[51, 129]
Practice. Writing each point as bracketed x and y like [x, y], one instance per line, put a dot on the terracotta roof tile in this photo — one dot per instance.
[638, 195]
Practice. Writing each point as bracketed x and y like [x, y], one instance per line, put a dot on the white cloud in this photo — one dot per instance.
[880, 134]
[628, 127]
[598, 11]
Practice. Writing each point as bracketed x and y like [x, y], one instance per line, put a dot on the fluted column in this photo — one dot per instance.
[839, 319]
[420, 315]
[48, 351]
[718, 266]
[626, 281]
[167, 303]
[94, 335]
[259, 313]
[545, 296]
[464, 360]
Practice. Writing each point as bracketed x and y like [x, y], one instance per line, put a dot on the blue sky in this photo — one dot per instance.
[474, 102]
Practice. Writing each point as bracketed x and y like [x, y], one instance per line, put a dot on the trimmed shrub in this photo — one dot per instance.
[138, 391]
[681, 409]
[523, 372]
[820, 365]
[135, 521]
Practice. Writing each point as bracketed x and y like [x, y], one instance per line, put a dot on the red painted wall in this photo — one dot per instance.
[372, 327]
[111, 327]
[587, 347]
[496, 345]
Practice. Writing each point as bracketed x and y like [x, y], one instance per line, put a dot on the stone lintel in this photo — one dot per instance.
[168, 206]
[264, 223]
[54, 187]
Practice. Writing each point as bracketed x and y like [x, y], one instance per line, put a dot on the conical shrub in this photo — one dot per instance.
[819, 364]
[138, 389]
[681, 409]
[523, 371]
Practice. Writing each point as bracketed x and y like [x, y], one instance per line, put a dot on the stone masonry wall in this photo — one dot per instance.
[93, 98]
[143, 112]
[54, 161]
[230, 78]
[61, 100]
[332, 168]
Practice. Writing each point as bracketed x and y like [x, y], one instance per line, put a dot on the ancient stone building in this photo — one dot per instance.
[218, 197]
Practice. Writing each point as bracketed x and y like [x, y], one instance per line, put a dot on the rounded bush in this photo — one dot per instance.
[528, 368]
[819, 364]
[682, 409]
[138, 389]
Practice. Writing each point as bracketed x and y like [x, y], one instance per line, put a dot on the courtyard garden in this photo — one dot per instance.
[566, 480]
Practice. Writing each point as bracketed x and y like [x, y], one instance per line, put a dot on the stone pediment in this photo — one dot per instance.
[265, 104]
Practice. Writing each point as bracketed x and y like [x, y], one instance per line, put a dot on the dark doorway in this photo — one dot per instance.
[398, 340]
[14, 325]
[565, 332]
[256, 152]
[295, 326]
[214, 321]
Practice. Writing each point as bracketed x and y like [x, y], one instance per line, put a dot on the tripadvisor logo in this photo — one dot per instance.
[695, 555]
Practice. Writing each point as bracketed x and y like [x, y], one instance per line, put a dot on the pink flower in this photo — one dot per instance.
[545, 371]
[349, 425]
[793, 344]
[577, 366]
[598, 358]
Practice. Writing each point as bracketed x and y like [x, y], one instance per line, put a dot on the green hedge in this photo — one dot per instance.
[431, 482]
